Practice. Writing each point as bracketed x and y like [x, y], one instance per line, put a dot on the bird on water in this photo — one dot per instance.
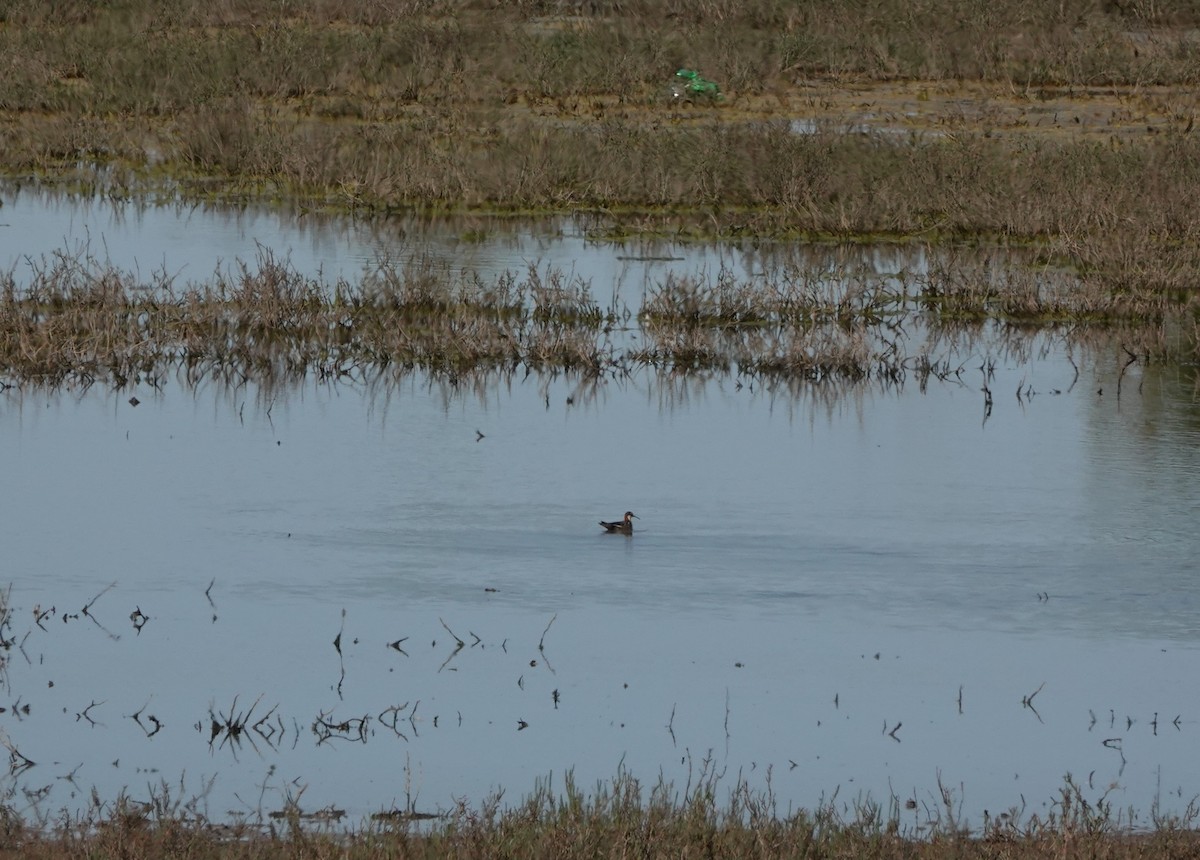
[621, 527]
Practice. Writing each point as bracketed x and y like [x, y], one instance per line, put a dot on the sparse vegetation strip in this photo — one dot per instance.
[75, 321]
[618, 818]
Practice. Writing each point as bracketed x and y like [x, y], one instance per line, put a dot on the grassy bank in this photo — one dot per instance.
[132, 56]
[623, 818]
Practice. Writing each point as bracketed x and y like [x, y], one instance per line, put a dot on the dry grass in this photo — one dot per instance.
[624, 818]
[76, 322]
[349, 58]
[1123, 216]
[79, 322]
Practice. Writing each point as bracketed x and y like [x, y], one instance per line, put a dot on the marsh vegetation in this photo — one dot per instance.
[615, 818]
[1068, 127]
[1048, 154]
[76, 321]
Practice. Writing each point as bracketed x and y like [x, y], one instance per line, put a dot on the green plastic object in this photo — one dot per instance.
[690, 84]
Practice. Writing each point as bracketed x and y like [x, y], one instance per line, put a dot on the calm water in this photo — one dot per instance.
[847, 593]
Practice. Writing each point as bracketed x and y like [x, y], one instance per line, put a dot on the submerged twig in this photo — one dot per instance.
[1027, 701]
[452, 633]
[17, 762]
[542, 641]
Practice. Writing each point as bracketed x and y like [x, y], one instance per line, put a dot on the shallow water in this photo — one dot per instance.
[850, 593]
[190, 243]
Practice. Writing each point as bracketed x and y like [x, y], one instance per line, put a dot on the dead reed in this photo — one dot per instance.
[1121, 216]
[75, 322]
[354, 58]
[78, 322]
[619, 817]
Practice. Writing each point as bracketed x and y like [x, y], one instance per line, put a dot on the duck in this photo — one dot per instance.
[622, 526]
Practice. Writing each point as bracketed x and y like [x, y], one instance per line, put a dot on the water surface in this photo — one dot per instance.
[840, 592]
